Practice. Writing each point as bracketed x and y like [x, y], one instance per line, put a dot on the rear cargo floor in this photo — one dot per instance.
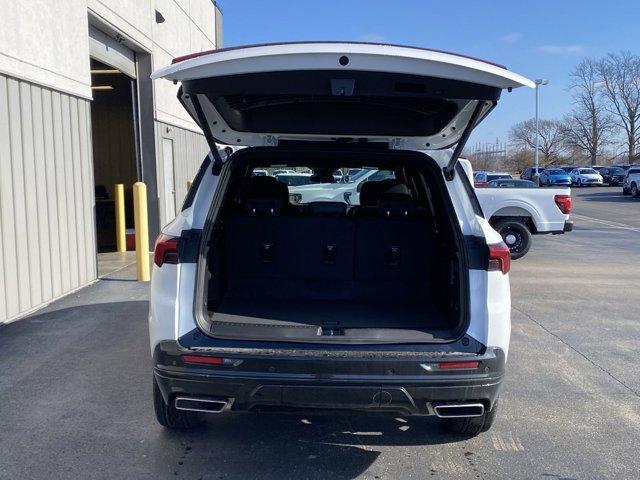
[323, 313]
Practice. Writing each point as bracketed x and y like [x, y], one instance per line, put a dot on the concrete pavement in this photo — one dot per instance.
[75, 386]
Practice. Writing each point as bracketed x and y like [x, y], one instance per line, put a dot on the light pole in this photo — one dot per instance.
[538, 82]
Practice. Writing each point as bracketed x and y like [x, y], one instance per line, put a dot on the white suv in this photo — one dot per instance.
[398, 302]
[631, 182]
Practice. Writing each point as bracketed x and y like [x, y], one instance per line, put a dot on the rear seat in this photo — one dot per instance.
[396, 243]
[324, 253]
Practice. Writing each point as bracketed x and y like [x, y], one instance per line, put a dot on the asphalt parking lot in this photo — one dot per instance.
[75, 386]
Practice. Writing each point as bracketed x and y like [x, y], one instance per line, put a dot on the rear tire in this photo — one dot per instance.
[625, 191]
[634, 190]
[472, 425]
[515, 235]
[170, 417]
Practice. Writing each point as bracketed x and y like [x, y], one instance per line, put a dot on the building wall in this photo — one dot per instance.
[47, 233]
[47, 244]
[188, 151]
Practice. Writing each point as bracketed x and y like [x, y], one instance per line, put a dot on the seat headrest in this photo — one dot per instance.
[396, 201]
[264, 187]
[369, 194]
[328, 208]
[264, 195]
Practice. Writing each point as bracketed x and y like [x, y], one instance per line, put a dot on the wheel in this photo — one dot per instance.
[169, 416]
[634, 190]
[625, 191]
[516, 236]
[580, 183]
[472, 425]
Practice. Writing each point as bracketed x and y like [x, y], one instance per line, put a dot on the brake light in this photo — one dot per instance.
[165, 250]
[191, 55]
[564, 203]
[480, 184]
[499, 258]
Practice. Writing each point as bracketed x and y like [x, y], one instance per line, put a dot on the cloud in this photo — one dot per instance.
[373, 38]
[561, 49]
[512, 37]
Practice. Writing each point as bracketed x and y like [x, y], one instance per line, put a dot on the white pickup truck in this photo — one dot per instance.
[519, 213]
[515, 213]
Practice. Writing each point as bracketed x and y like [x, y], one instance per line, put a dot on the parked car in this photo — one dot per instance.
[511, 183]
[530, 173]
[482, 178]
[348, 192]
[585, 177]
[555, 176]
[399, 304]
[532, 211]
[281, 171]
[612, 175]
[631, 182]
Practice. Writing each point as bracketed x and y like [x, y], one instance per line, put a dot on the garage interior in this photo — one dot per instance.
[115, 155]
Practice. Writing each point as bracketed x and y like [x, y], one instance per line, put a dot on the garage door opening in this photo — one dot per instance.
[115, 147]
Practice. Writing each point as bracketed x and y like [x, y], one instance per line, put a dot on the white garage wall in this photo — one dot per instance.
[47, 244]
[189, 150]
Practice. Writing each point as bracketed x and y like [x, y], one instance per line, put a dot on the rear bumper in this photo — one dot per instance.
[399, 385]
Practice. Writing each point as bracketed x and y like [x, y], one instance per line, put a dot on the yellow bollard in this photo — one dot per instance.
[189, 183]
[142, 231]
[121, 239]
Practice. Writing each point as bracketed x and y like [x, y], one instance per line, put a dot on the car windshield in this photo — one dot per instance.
[588, 170]
[616, 171]
[567, 169]
[556, 171]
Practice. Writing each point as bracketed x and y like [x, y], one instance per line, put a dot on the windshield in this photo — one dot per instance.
[556, 172]
[616, 171]
[588, 171]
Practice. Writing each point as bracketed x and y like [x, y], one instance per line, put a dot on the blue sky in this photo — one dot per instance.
[541, 39]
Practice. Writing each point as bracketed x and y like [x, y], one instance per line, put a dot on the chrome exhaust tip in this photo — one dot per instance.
[459, 410]
[207, 405]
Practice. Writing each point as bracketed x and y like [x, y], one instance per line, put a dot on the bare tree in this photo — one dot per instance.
[523, 136]
[620, 79]
[588, 127]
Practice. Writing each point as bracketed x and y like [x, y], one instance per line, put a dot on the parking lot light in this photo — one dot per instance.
[538, 82]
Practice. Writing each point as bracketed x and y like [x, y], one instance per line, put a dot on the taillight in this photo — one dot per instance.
[166, 250]
[480, 184]
[499, 258]
[564, 203]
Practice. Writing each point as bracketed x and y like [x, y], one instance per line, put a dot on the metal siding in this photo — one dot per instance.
[47, 244]
[189, 149]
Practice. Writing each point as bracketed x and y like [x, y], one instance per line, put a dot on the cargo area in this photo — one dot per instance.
[297, 264]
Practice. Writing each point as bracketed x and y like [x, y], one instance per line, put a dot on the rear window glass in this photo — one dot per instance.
[307, 184]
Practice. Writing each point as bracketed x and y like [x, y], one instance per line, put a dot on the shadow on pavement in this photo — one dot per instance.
[276, 446]
[615, 197]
